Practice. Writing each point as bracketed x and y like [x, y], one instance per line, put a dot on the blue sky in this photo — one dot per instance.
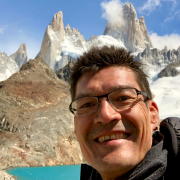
[25, 21]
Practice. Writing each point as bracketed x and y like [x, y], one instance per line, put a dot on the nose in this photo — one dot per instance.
[106, 113]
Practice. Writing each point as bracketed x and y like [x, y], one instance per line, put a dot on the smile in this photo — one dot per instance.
[112, 137]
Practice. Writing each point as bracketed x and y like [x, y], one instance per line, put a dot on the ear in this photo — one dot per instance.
[154, 114]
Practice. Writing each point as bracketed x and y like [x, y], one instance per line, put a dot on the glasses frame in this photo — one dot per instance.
[107, 96]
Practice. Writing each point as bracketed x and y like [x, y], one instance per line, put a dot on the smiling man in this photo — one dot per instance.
[115, 116]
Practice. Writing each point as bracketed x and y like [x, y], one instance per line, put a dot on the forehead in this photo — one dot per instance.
[105, 80]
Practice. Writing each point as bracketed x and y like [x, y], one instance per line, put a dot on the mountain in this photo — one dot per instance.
[163, 68]
[7, 66]
[36, 126]
[132, 32]
[156, 60]
[61, 44]
[20, 56]
[11, 64]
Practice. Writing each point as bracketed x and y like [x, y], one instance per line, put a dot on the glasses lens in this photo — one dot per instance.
[85, 106]
[123, 98]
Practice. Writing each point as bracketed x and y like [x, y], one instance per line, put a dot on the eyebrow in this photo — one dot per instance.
[111, 89]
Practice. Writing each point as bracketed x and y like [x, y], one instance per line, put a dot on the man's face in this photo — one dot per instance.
[129, 131]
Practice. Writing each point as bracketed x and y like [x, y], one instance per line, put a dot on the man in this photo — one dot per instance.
[115, 117]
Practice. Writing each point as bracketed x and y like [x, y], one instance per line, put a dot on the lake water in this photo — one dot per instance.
[70, 172]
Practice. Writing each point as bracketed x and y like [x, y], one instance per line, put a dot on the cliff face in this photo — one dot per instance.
[132, 32]
[36, 126]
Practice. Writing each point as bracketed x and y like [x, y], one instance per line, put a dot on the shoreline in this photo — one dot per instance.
[5, 176]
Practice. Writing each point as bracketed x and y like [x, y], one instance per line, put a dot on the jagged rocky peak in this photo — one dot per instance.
[129, 10]
[11, 64]
[73, 32]
[165, 48]
[92, 37]
[132, 32]
[67, 27]
[22, 48]
[20, 56]
[53, 37]
[57, 22]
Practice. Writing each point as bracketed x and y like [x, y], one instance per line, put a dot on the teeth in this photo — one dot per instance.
[114, 136]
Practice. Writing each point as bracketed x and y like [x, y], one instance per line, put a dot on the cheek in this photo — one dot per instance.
[81, 129]
[143, 126]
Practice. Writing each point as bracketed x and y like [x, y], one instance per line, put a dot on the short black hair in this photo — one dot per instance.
[98, 58]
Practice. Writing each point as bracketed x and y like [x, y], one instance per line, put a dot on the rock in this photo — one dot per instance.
[65, 71]
[170, 70]
[38, 128]
[5, 176]
[92, 37]
[132, 32]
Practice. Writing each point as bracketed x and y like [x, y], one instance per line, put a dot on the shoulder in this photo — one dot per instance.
[170, 128]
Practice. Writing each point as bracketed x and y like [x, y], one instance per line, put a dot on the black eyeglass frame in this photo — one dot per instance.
[107, 96]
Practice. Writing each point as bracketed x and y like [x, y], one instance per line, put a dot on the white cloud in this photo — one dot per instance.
[112, 11]
[172, 41]
[168, 19]
[1, 30]
[176, 14]
[151, 5]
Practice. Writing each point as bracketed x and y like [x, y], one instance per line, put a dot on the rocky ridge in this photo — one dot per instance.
[36, 126]
[164, 61]
[170, 70]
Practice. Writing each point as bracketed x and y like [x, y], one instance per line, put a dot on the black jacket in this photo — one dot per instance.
[160, 162]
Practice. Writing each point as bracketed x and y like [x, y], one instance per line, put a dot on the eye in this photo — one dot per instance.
[86, 105]
[123, 98]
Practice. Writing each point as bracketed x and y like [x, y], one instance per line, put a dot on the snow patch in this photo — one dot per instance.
[166, 91]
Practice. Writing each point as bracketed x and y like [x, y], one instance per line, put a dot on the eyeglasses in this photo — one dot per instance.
[119, 99]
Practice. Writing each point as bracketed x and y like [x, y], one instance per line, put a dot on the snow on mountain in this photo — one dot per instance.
[68, 47]
[56, 51]
[7, 66]
[166, 91]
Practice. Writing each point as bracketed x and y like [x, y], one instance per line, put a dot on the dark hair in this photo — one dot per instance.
[98, 58]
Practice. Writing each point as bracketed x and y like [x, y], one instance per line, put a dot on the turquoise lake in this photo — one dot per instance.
[70, 172]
